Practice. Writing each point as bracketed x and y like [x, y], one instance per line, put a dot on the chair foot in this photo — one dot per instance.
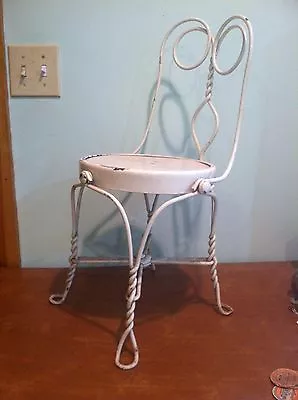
[128, 332]
[57, 299]
[60, 298]
[223, 309]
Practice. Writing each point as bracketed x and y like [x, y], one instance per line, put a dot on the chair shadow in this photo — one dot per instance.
[113, 241]
[293, 290]
[98, 295]
[186, 147]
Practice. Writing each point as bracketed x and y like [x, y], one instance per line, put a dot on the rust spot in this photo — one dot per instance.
[118, 169]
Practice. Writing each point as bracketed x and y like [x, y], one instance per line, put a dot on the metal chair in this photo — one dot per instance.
[154, 174]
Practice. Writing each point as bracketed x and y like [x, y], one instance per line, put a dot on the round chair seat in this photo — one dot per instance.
[143, 173]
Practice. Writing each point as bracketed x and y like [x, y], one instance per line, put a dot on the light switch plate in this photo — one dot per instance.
[29, 60]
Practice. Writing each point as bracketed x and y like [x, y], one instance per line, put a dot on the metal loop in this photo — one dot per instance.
[207, 49]
[127, 333]
[220, 37]
[56, 299]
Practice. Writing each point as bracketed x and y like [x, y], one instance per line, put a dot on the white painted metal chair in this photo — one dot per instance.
[154, 174]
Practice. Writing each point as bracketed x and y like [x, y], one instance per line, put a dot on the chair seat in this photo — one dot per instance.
[143, 173]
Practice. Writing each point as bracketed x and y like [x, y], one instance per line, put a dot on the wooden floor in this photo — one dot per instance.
[187, 350]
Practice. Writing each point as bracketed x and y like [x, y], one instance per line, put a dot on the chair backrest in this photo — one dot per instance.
[213, 45]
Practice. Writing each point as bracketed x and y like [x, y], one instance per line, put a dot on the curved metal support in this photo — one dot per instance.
[151, 222]
[59, 298]
[224, 309]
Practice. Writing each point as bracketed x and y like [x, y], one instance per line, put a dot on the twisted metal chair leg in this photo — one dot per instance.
[132, 287]
[60, 298]
[134, 291]
[224, 309]
[129, 322]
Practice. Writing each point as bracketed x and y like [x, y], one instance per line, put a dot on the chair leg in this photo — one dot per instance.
[224, 309]
[60, 298]
[146, 260]
[133, 295]
[134, 290]
[132, 285]
[129, 321]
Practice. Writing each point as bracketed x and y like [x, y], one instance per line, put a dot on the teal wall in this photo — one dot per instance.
[108, 61]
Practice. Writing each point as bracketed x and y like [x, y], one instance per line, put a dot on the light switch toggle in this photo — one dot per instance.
[44, 71]
[23, 72]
